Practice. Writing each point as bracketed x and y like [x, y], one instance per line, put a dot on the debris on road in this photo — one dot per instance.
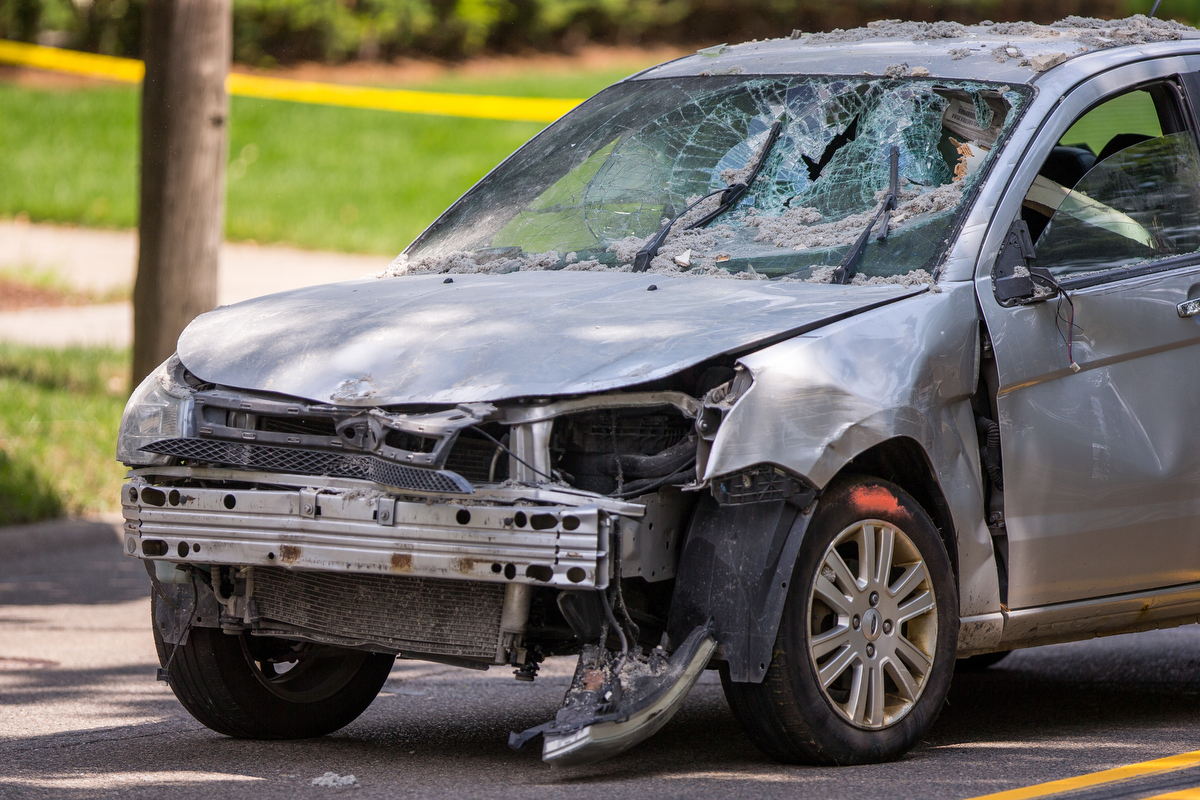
[332, 780]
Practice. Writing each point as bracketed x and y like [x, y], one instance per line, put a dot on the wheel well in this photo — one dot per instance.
[903, 462]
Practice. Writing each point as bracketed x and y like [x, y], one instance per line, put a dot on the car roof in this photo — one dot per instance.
[1012, 53]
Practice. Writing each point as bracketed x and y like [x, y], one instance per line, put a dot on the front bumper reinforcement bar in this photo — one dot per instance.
[368, 532]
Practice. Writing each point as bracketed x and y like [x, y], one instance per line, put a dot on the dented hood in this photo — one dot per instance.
[427, 339]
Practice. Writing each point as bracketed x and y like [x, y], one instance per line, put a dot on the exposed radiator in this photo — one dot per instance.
[408, 615]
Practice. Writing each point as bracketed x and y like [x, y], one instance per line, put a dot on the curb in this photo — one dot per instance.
[59, 534]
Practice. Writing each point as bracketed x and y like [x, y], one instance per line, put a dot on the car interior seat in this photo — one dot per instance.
[1119, 142]
[1065, 165]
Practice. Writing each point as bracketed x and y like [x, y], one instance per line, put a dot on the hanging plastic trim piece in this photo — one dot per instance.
[592, 726]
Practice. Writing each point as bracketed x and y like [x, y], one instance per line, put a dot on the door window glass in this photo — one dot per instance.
[1137, 205]
[1106, 129]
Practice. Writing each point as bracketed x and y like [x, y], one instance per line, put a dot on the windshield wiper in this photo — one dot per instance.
[730, 196]
[845, 271]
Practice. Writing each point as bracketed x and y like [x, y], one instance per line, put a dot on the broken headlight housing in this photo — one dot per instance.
[160, 408]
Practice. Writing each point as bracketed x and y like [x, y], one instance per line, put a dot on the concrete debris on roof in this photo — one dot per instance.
[902, 70]
[331, 780]
[1023, 29]
[891, 29]
[1044, 62]
[1089, 32]
[1134, 22]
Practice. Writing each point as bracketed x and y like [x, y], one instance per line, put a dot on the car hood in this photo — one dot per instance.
[475, 338]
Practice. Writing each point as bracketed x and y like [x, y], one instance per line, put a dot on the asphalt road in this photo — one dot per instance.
[81, 716]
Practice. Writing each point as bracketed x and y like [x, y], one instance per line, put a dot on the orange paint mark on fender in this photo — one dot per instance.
[876, 500]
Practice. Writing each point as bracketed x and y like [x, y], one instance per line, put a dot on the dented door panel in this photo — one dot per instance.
[1101, 466]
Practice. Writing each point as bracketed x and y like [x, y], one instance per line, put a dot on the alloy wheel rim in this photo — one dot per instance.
[872, 624]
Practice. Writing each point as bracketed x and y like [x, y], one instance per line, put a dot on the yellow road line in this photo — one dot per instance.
[128, 70]
[1158, 765]
[1179, 794]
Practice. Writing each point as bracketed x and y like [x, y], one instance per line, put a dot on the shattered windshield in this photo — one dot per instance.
[596, 187]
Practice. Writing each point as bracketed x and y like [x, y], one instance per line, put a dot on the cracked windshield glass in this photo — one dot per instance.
[642, 157]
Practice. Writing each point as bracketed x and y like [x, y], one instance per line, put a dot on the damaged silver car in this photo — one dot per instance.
[828, 362]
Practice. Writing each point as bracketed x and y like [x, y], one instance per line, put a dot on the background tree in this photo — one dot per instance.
[187, 46]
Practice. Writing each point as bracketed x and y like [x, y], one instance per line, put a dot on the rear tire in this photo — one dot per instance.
[253, 687]
[886, 670]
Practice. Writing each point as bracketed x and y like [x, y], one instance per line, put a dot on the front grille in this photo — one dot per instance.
[313, 462]
[408, 615]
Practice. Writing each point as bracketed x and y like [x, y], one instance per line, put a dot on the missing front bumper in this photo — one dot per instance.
[360, 531]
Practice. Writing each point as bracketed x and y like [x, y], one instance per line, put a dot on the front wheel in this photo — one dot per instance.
[866, 646]
[254, 687]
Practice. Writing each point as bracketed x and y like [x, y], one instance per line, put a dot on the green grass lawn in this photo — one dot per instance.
[59, 413]
[581, 84]
[316, 176]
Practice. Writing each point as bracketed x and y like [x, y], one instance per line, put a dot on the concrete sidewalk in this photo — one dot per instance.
[99, 261]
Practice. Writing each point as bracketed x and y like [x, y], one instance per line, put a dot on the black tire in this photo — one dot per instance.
[227, 683]
[789, 716]
[981, 662]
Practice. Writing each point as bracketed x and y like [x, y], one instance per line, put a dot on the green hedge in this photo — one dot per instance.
[271, 31]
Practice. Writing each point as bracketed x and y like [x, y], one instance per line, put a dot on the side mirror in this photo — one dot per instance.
[1012, 280]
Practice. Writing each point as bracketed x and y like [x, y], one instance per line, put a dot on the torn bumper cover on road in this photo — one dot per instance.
[612, 707]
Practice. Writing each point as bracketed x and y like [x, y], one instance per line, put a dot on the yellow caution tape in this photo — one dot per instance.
[478, 106]
[128, 70]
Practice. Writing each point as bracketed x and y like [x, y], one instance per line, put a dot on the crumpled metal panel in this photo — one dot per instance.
[419, 339]
[908, 370]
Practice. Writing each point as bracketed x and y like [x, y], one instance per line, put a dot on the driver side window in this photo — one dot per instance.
[1136, 200]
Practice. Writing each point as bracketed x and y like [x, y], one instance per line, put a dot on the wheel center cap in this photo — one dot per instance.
[871, 624]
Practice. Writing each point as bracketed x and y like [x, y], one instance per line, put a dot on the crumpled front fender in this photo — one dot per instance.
[905, 370]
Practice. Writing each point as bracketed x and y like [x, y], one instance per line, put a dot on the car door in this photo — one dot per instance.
[1098, 394]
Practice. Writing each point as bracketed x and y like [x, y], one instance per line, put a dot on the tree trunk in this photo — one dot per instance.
[187, 46]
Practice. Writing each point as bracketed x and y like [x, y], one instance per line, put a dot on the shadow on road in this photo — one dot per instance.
[1038, 715]
[90, 575]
